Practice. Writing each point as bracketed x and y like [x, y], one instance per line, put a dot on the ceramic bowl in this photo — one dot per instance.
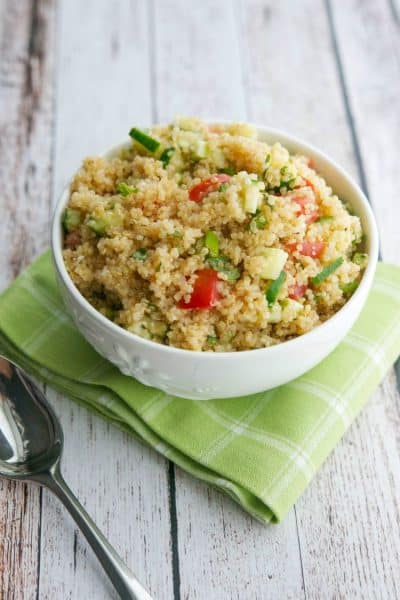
[205, 375]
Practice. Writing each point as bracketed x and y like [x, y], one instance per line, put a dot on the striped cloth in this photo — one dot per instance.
[262, 449]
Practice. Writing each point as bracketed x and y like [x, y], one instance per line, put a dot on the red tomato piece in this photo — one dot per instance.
[306, 207]
[207, 186]
[297, 291]
[205, 291]
[307, 248]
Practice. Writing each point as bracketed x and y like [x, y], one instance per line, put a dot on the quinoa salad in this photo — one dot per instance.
[203, 237]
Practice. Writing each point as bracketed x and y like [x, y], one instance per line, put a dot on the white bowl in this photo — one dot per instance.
[205, 375]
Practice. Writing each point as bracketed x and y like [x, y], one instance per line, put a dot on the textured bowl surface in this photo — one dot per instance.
[205, 375]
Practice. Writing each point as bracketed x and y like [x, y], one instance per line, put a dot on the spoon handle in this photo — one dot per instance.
[124, 581]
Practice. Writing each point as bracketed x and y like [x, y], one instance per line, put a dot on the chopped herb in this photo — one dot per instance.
[259, 221]
[283, 169]
[212, 340]
[228, 170]
[144, 140]
[166, 155]
[325, 273]
[223, 187]
[268, 158]
[124, 189]
[223, 265]
[211, 242]
[360, 259]
[349, 288]
[177, 234]
[158, 268]
[71, 219]
[140, 254]
[274, 288]
[325, 219]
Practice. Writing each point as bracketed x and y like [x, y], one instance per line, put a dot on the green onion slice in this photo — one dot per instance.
[222, 264]
[144, 140]
[166, 155]
[124, 189]
[325, 273]
[360, 259]
[140, 254]
[274, 288]
[349, 288]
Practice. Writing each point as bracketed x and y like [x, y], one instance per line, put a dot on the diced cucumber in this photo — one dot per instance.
[275, 313]
[157, 328]
[71, 219]
[211, 242]
[101, 224]
[252, 198]
[140, 254]
[290, 309]
[201, 149]
[274, 260]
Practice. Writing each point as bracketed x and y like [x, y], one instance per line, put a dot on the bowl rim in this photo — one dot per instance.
[282, 137]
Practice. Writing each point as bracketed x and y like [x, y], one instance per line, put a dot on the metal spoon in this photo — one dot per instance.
[31, 443]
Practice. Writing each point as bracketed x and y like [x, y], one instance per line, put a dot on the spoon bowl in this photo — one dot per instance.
[31, 443]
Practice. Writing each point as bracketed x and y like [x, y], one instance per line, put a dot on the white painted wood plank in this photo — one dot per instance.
[356, 495]
[26, 68]
[103, 86]
[349, 513]
[223, 553]
[369, 44]
[197, 60]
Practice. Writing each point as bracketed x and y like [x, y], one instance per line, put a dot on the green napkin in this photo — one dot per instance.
[262, 449]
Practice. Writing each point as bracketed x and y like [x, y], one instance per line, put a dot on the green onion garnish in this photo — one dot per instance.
[349, 288]
[360, 259]
[223, 265]
[211, 242]
[325, 273]
[145, 140]
[166, 155]
[124, 189]
[259, 221]
[274, 288]
[140, 254]
[325, 219]
[228, 170]
[223, 187]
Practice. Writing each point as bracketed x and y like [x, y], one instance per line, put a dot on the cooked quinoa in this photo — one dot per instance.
[203, 237]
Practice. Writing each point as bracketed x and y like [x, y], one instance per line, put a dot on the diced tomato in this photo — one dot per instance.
[216, 129]
[307, 248]
[297, 291]
[207, 186]
[205, 291]
[307, 207]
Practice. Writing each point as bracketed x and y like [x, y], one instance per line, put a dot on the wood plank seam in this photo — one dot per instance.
[171, 467]
[248, 114]
[352, 126]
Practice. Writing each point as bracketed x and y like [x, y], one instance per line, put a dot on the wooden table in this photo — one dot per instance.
[75, 76]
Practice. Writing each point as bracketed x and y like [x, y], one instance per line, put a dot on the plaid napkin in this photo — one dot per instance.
[262, 449]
